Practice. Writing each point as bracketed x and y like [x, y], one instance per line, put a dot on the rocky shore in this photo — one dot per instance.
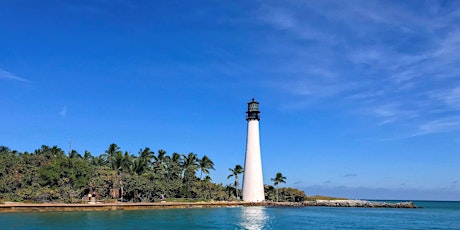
[346, 203]
[47, 207]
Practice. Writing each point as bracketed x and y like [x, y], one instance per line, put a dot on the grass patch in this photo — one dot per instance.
[318, 197]
[189, 200]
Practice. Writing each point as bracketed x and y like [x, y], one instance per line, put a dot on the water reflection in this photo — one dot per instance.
[253, 218]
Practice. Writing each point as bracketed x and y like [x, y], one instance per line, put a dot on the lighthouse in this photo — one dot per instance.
[253, 184]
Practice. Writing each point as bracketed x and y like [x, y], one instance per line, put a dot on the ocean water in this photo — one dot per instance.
[433, 215]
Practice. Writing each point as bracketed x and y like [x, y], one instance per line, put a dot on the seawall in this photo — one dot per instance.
[59, 207]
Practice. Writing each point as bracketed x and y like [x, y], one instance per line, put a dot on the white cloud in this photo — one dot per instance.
[10, 76]
[438, 126]
[450, 98]
[394, 112]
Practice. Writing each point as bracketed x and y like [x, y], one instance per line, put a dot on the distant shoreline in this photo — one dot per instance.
[59, 207]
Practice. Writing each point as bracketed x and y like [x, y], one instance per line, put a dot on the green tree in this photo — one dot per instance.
[292, 195]
[159, 163]
[173, 178]
[279, 178]
[235, 172]
[174, 166]
[123, 163]
[143, 162]
[49, 152]
[87, 156]
[103, 179]
[127, 163]
[9, 174]
[205, 165]
[207, 187]
[100, 160]
[112, 150]
[189, 165]
[74, 154]
[114, 157]
[146, 154]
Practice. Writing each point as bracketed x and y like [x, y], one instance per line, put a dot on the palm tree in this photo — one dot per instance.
[235, 172]
[279, 178]
[205, 165]
[112, 150]
[176, 158]
[159, 164]
[173, 166]
[207, 186]
[113, 155]
[74, 154]
[116, 160]
[190, 166]
[87, 155]
[146, 155]
[122, 163]
[173, 173]
[139, 166]
[127, 162]
[100, 160]
[143, 162]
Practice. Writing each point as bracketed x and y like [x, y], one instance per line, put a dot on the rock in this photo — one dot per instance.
[359, 203]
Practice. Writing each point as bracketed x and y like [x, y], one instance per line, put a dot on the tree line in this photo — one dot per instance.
[50, 175]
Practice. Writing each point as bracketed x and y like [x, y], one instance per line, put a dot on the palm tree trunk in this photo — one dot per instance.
[236, 189]
[276, 193]
[121, 195]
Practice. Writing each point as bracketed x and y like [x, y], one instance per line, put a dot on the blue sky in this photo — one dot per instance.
[358, 98]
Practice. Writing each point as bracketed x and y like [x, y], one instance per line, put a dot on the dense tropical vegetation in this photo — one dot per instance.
[49, 174]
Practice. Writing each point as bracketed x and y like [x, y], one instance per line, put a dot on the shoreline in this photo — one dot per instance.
[10, 207]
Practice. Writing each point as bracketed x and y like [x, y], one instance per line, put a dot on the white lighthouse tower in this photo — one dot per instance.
[253, 184]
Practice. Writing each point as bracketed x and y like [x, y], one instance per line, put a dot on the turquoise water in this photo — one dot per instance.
[434, 215]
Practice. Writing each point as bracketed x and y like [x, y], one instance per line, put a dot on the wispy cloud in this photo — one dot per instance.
[384, 59]
[10, 76]
[287, 20]
[393, 112]
[449, 97]
[63, 111]
[438, 126]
